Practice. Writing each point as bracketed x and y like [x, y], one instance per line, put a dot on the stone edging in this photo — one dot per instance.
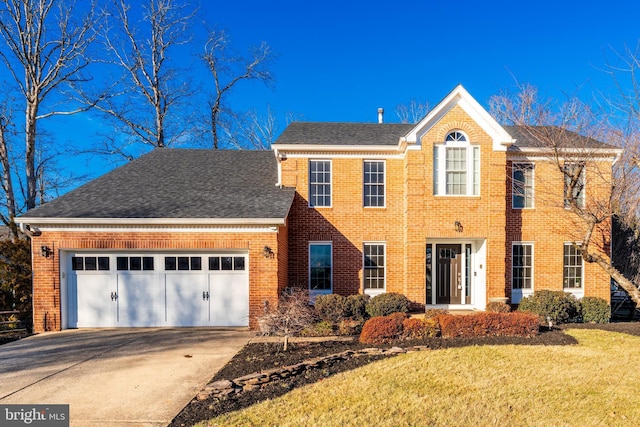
[223, 388]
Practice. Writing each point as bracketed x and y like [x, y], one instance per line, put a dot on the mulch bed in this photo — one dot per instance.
[257, 357]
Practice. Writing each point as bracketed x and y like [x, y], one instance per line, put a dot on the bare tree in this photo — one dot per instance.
[150, 86]
[7, 179]
[412, 112]
[227, 70]
[568, 136]
[47, 41]
[251, 130]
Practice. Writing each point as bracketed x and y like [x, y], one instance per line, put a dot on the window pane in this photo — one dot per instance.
[522, 263]
[374, 268]
[103, 263]
[135, 263]
[90, 263]
[238, 263]
[214, 263]
[456, 170]
[170, 263]
[122, 263]
[374, 183]
[77, 263]
[320, 183]
[320, 266]
[227, 263]
[147, 263]
[196, 263]
[572, 271]
[183, 263]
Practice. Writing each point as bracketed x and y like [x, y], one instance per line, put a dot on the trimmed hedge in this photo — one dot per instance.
[356, 306]
[498, 307]
[414, 328]
[489, 325]
[595, 310]
[557, 306]
[381, 330]
[387, 303]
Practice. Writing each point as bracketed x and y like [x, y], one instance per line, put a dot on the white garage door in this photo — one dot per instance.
[138, 290]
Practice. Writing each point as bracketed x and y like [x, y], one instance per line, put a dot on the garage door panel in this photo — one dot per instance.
[140, 300]
[95, 304]
[186, 303]
[229, 299]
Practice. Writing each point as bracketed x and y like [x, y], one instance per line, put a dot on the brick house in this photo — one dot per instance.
[453, 212]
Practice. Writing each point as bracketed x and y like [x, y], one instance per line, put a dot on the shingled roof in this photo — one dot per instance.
[180, 183]
[538, 137]
[351, 134]
[309, 133]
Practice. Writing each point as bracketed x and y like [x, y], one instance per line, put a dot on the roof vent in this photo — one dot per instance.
[381, 115]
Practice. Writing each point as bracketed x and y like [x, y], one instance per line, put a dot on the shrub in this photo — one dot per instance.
[380, 330]
[434, 312]
[498, 307]
[355, 306]
[557, 306]
[489, 325]
[595, 310]
[348, 327]
[318, 329]
[385, 304]
[398, 317]
[331, 308]
[414, 328]
[292, 315]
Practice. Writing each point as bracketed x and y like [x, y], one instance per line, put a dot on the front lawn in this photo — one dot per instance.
[593, 383]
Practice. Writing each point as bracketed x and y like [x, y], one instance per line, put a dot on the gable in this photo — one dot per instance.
[460, 98]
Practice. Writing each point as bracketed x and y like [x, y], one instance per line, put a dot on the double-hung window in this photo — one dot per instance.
[572, 274]
[374, 183]
[320, 266]
[456, 166]
[522, 266]
[320, 183]
[574, 182]
[374, 266]
[522, 185]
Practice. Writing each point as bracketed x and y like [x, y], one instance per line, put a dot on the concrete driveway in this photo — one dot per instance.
[132, 377]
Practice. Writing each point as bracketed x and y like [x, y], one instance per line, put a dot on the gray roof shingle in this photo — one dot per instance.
[350, 134]
[343, 133]
[180, 183]
[538, 137]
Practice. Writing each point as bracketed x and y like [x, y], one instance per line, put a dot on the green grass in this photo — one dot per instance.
[590, 384]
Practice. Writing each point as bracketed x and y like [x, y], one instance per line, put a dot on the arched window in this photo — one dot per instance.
[456, 166]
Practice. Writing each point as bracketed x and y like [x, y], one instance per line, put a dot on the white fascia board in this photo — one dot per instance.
[595, 153]
[459, 96]
[151, 221]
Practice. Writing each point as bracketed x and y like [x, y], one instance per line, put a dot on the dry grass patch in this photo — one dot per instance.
[584, 385]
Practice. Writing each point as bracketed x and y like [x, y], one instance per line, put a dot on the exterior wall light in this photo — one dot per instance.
[268, 252]
[45, 251]
[459, 227]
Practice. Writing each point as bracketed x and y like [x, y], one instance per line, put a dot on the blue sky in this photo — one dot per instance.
[341, 60]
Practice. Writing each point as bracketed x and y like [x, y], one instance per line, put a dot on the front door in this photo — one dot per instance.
[448, 274]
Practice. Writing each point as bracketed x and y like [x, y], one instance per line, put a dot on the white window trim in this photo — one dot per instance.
[330, 183]
[440, 167]
[374, 292]
[533, 184]
[518, 293]
[384, 183]
[313, 293]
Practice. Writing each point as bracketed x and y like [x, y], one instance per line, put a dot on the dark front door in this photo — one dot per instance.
[448, 274]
